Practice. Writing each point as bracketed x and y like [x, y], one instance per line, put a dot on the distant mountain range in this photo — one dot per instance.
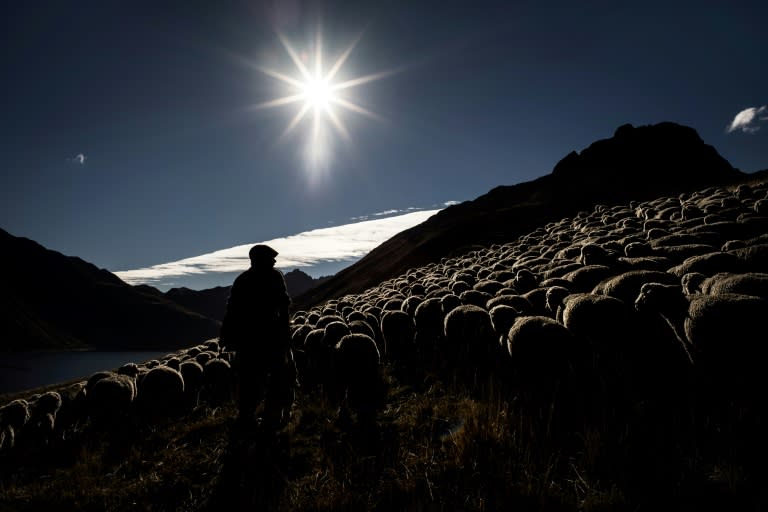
[637, 163]
[49, 300]
[212, 302]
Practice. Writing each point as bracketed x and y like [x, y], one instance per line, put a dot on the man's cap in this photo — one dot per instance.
[261, 251]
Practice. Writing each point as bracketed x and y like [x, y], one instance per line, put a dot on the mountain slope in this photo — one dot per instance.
[52, 300]
[654, 160]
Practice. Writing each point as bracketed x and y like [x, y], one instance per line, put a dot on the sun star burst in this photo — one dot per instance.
[316, 93]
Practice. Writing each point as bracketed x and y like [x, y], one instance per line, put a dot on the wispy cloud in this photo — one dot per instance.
[78, 159]
[346, 243]
[387, 213]
[748, 120]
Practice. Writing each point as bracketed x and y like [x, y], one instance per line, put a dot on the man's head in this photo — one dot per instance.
[262, 255]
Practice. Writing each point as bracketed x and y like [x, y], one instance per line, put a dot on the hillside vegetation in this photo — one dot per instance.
[541, 373]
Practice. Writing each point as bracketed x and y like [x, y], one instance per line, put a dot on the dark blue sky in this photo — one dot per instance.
[155, 96]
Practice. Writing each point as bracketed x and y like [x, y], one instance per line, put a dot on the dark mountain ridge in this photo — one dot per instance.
[637, 163]
[212, 302]
[50, 300]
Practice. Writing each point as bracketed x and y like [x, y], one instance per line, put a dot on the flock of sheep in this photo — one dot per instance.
[658, 302]
[111, 400]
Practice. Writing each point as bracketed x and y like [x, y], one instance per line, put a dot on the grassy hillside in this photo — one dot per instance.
[454, 432]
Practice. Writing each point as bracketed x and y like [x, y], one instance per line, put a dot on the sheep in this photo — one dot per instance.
[657, 263]
[355, 315]
[94, 378]
[7, 438]
[323, 321]
[173, 362]
[299, 335]
[626, 286]
[411, 303]
[690, 282]
[39, 429]
[192, 373]
[502, 318]
[361, 327]
[708, 264]
[754, 283]
[682, 251]
[398, 331]
[488, 286]
[538, 300]
[638, 249]
[130, 369]
[524, 281]
[450, 302]
[629, 351]
[73, 408]
[545, 362]
[13, 417]
[358, 371]
[395, 304]
[203, 357]
[594, 254]
[475, 297]
[315, 361]
[160, 393]
[469, 339]
[110, 401]
[726, 333]
[333, 332]
[753, 258]
[520, 303]
[212, 345]
[218, 381]
[428, 322]
[540, 347]
[586, 278]
[554, 299]
[313, 317]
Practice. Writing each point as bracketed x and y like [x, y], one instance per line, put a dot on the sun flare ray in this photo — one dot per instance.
[295, 58]
[285, 100]
[356, 108]
[338, 124]
[296, 120]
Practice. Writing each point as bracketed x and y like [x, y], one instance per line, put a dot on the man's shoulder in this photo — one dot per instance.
[244, 275]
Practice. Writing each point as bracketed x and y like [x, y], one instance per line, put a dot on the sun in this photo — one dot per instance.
[315, 92]
[318, 93]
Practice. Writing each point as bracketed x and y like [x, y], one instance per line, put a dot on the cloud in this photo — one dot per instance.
[346, 243]
[748, 120]
[78, 159]
[386, 213]
[450, 203]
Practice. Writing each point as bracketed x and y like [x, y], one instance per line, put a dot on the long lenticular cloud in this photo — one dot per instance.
[348, 242]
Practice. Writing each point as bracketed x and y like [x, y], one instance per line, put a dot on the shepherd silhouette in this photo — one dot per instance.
[256, 328]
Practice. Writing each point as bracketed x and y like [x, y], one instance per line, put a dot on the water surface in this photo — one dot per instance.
[26, 370]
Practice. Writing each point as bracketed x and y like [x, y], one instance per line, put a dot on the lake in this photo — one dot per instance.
[26, 370]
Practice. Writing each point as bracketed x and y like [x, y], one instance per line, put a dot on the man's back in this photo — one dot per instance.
[257, 308]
